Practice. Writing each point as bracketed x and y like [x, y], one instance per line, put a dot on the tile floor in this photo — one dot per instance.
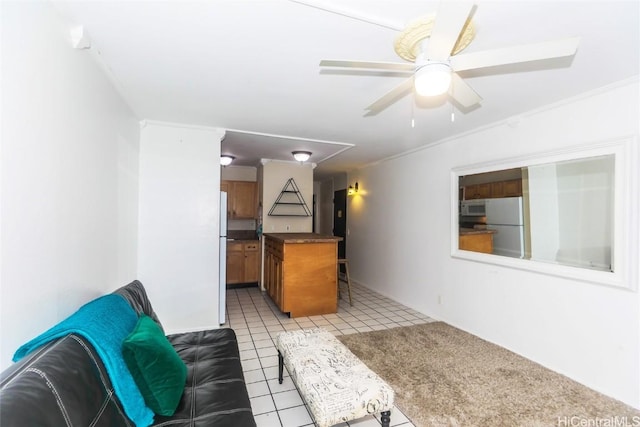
[256, 321]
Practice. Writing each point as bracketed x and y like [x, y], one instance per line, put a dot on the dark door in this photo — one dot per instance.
[340, 220]
[313, 215]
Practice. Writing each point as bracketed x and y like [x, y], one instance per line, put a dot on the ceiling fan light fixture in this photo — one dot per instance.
[433, 79]
[301, 156]
[226, 159]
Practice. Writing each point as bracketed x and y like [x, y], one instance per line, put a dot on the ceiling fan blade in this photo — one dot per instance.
[462, 93]
[449, 23]
[515, 54]
[390, 97]
[378, 65]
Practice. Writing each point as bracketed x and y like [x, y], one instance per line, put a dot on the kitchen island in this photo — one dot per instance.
[475, 240]
[300, 272]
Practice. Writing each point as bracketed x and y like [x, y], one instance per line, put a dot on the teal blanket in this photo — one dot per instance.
[105, 322]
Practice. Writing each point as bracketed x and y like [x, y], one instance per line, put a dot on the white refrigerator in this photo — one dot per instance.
[505, 216]
[222, 268]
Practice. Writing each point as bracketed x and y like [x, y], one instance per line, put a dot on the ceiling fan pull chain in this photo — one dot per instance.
[413, 120]
[453, 108]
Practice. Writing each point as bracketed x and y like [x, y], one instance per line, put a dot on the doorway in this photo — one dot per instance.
[340, 220]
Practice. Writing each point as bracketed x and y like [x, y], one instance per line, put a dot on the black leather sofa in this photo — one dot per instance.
[64, 383]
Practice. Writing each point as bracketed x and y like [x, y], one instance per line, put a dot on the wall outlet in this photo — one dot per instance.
[439, 299]
[288, 227]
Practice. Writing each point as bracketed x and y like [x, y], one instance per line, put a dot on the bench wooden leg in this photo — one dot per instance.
[385, 418]
[280, 366]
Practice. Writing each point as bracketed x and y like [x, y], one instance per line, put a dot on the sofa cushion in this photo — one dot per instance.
[156, 367]
[60, 384]
[215, 394]
[136, 294]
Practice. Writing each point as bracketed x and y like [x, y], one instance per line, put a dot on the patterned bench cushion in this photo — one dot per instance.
[334, 383]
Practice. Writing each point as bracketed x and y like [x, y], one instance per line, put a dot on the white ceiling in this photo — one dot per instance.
[252, 66]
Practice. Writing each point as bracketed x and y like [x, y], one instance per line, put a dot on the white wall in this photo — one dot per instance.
[586, 331]
[340, 181]
[69, 177]
[239, 173]
[179, 223]
[273, 177]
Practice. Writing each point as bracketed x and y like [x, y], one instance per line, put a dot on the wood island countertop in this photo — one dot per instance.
[473, 231]
[302, 237]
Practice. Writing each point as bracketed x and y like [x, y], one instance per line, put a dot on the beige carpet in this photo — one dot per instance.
[443, 376]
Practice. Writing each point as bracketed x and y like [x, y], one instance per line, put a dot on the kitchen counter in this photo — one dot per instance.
[472, 231]
[242, 235]
[302, 237]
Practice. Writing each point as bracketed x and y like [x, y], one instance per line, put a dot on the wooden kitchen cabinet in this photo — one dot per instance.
[476, 241]
[273, 266]
[243, 262]
[493, 190]
[497, 189]
[242, 199]
[300, 272]
[478, 191]
[251, 262]
[235, 263]
[513, 188]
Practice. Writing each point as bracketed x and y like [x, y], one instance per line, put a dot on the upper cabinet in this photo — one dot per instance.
[478, 191]
[509, 188]
[242, 199]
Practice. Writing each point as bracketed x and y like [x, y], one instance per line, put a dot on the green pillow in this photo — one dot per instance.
[155, 366]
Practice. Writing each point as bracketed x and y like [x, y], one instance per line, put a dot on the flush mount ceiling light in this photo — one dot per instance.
[301, 156]
[226, 159]
[433, 79]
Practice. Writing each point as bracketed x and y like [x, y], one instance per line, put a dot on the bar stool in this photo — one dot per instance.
[348, 281]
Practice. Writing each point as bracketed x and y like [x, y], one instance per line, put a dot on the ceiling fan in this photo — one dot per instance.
[431, 47]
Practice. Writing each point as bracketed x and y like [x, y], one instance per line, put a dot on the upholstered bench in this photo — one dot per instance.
[334, 383]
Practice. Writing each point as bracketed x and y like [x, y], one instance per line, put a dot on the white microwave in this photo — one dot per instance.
[476, 207]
